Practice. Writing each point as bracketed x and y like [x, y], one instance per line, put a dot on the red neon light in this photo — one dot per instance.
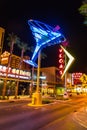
[60, 50]
[61, 66]
[61, 61]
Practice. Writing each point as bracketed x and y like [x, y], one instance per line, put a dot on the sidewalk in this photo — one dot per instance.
[11, 98]
[81, 116]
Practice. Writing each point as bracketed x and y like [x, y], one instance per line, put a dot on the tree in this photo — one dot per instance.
[23, 46]
[13, 39]
[83, 11]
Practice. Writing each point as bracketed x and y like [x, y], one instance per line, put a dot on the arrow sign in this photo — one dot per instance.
[71, 59]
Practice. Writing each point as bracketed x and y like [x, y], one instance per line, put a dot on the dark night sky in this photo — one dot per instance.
[14, 15]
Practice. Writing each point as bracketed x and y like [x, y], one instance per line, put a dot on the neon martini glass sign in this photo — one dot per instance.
[44, 35]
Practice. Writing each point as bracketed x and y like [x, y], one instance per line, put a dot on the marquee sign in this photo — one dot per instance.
[14, 73]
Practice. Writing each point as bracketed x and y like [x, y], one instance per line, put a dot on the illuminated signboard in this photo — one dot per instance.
[44, 35]
[4, 58]
[70, 61]
[14, 73]
[61, 61]
[76, 78]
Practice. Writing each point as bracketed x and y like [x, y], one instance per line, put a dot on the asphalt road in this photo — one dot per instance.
[55, 116]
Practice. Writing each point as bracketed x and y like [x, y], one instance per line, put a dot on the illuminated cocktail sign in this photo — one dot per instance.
[44, 35]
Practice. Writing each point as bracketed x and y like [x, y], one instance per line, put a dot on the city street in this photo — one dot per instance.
[18, 115]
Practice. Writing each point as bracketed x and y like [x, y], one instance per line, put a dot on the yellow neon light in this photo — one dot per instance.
[71, 59]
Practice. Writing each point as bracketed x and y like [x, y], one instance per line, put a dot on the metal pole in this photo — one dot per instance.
[38, 71]
[31, 84]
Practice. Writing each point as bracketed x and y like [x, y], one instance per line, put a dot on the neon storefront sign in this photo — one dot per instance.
[14, 73]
